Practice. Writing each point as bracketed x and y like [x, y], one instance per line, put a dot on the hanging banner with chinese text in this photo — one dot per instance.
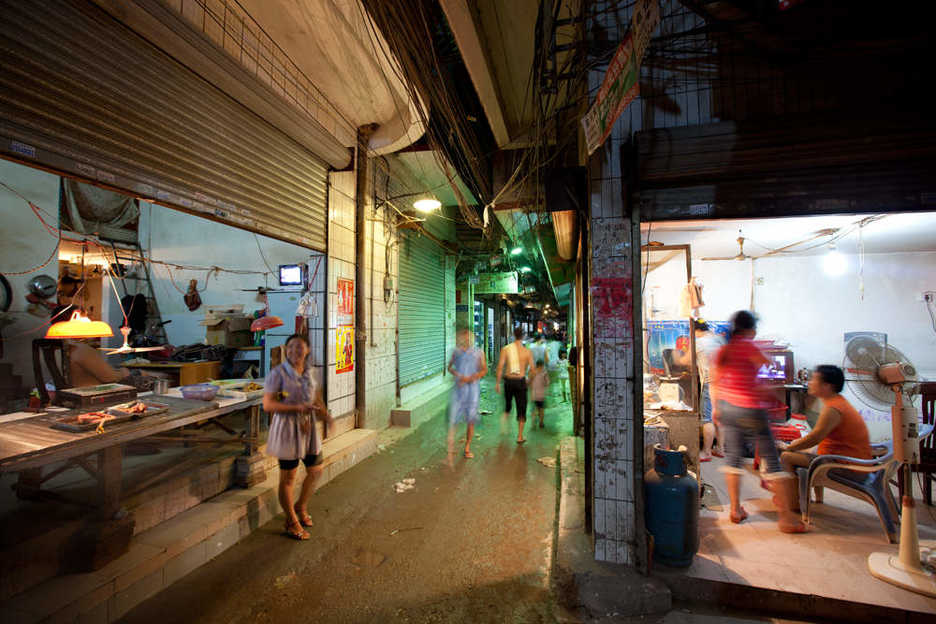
[621, 81]
[344, 349]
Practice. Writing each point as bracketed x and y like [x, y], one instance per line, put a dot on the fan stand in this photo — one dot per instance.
[905, 570]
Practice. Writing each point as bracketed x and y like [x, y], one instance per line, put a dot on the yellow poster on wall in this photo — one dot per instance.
[344, 349]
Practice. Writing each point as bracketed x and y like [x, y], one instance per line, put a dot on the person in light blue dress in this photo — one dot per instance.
[468, 365]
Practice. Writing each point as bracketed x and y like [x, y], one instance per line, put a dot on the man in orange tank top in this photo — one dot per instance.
[840, 429]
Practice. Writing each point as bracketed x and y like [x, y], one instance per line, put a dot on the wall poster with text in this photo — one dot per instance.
[344, 349]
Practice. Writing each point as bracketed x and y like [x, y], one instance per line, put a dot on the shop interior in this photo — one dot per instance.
[825, 290]
[200, 297]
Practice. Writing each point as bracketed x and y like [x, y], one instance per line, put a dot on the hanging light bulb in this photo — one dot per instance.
[834, 263]
[427, 204]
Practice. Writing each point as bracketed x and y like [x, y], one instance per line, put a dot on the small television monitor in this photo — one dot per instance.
[291, 275]
[780, 368]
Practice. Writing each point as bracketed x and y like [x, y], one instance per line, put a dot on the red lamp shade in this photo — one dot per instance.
[79, 326]
[265, 322]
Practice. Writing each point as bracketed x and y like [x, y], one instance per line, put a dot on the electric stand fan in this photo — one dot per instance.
[877, 368]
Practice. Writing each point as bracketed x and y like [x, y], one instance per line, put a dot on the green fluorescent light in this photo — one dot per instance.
[516, 251]
[525, 269]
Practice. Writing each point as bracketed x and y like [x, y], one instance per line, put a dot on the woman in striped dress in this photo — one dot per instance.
[295, 401]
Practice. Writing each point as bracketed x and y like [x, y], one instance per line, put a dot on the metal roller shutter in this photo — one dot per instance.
[84, 95]
[422, 308]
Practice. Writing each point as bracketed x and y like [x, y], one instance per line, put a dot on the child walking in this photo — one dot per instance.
[539, 388]
[468, 365]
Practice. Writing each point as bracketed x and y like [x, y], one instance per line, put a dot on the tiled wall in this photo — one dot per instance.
[381, 315]
[612, 284]
[340, 265]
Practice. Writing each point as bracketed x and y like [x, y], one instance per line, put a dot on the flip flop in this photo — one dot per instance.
[521, 441]
[296, 532]
[304, 518]
[717, 453]
[469, 455]
[705, 459]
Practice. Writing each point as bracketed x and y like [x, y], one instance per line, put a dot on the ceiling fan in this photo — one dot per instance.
[125, 347]
[831, 232]
[741, 255]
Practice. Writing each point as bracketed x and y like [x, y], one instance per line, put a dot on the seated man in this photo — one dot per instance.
[88, 367]
[840, 429]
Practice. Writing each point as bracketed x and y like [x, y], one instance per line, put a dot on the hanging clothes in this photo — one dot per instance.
[690, 299]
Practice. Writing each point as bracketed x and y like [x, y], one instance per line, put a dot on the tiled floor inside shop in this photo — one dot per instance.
[829, 561]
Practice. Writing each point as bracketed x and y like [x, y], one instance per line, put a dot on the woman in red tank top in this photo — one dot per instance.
[739, 409]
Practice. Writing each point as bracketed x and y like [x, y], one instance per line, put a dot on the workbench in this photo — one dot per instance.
[183, 373]
[29, 444]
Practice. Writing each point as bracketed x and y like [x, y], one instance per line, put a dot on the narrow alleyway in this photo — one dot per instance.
[472, 542]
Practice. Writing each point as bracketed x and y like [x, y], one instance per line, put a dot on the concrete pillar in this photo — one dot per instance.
[613, 251]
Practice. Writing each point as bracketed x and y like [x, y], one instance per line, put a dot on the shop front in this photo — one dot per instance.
[832, 251]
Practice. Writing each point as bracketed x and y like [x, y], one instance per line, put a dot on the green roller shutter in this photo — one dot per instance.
[422, 308]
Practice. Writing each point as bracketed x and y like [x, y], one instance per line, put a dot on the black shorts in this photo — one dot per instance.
[309, 461]
[540, 404]
[515, 390]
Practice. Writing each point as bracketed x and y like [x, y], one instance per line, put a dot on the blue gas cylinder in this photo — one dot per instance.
[672, 508]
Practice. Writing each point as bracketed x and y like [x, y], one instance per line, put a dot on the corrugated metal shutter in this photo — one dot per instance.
[422, 308]
[84, 95]
[812, 165]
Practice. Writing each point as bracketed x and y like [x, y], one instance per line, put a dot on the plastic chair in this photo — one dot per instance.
[864, 479]
[927, 465]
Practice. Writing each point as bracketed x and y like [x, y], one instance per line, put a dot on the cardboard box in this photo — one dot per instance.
[230, 332]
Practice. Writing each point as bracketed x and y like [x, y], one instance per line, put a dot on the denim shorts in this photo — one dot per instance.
[739, 424]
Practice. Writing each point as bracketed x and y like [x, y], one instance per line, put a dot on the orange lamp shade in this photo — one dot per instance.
[79, 326]
[265, 322]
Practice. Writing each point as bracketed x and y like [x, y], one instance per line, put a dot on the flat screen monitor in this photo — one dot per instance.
[780, 368]
[291, 275]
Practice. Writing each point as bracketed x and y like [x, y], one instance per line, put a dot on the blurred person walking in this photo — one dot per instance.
[739, 409]
[468, 365]
[513, 365]
[539, 387]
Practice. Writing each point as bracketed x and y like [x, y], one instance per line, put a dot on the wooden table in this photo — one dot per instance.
[28, 445]
[186, 372]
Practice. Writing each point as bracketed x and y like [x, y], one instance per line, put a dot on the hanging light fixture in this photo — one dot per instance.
[427, 204]
[516, 251]
[79, 326]
[834, 262]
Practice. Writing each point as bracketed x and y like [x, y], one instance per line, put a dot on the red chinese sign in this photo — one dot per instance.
[345, 302]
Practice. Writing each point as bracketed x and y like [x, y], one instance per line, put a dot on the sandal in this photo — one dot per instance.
[304, 518]
[469, 455]
[717, 453]
[738, 519]
[296, 532]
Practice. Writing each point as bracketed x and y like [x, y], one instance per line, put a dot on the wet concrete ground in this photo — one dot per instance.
[471, 542]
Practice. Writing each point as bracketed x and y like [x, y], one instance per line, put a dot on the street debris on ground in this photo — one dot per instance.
[404, 485]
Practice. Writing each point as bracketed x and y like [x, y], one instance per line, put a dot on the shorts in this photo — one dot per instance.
[540, 404]
[309, 461]
[705, 399]
[515, 390]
